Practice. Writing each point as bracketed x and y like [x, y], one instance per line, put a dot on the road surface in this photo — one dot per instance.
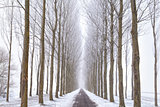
[82, 100]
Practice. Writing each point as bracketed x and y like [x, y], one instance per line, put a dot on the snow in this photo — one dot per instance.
[68, 100]
[147, 100]
[64, 101]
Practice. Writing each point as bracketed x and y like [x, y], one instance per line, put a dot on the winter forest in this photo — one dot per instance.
[79, 53]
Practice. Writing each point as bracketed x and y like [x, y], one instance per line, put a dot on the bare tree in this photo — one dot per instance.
[120, 18]
[111, 53]
[153, 12]
[105, 58]
[62, 64]
[53, 48]
[48, 60]
[59, 51]
[38, 70]
[102, 73]
[24, 88]
[136, 59]
[32, 58]
[42, 55]
[10, 52]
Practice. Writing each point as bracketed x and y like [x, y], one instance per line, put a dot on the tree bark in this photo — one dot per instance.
[32, 57]
[52, 55]
[24, 89]
[153, 22]
[95, 78]
[132, 81]
[111, 56]
[99, 77]
[105, 72]
[62, 69]
[102, 73]
[20, 84]
[42, 56]
[64, 80]
[136, 58]
[155, 68]
[58, 66]
[126, 60]
[51, 69]
[47, 74]
[121, 94]
[39, 68]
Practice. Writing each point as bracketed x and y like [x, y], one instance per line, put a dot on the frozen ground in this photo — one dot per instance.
[68, 101]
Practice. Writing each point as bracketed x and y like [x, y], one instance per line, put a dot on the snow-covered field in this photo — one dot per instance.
[147, 100]
[68, 101]
[64, 101]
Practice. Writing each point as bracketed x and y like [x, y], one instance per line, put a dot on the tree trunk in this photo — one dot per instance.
[30, 93]
[24, 89]
[126, 60]
[39, 68]
[111, 56]
[47, 74]
[67, 77]
[153, 22]
[20, 84]
[132, 81]
[63, 81]
[102, 73]
[105, 72]
[10, 52]
[52, 55]
[58, 66]
[62, 69]
[98, 77]
[155, 67]
[95, 78]
[136, 58]
[121, 94]
[42, 56]
[51, 69]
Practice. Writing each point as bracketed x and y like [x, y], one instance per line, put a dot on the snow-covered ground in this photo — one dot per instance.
[64, 101]
[68, 101]
[147, 100]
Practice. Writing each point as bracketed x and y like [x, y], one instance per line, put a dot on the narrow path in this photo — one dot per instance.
[82, 100]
